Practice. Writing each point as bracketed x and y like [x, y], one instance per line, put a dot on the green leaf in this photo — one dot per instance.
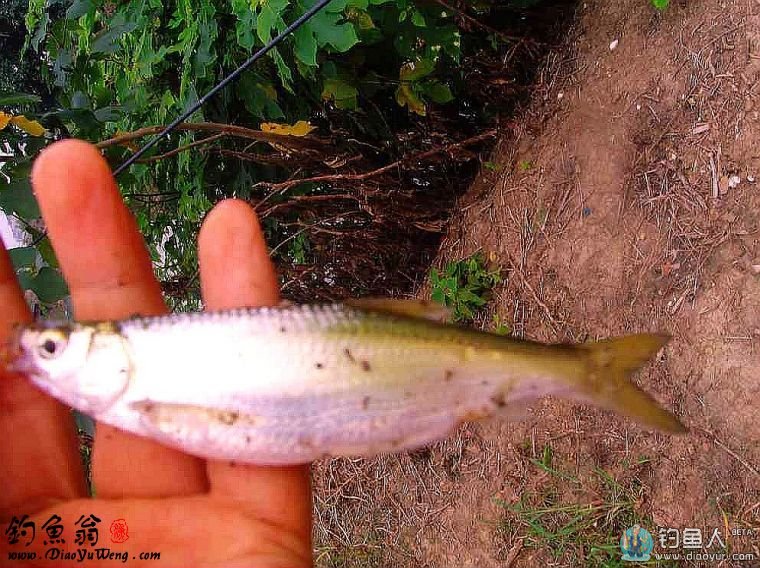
[25, 279]
[415, 70]
[17, 197]
[108, 114]
[49, 285]
[244, 30]
[108, 41]
[40, 33]
[341, 92]
[265, 22]
[8, 99]
[47, 253]
[305, 47]
[79, 8]
[328, 31]
[80, 100]
[660, 4]
[438, 92]
[282, 69]
[23, 257]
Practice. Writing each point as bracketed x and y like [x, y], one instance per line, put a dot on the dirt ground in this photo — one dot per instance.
[611, 206]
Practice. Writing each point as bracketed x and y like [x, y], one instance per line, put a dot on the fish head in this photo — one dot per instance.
[84, 365]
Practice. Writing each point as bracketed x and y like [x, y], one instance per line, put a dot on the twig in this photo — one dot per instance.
[157, 194]
[478, 23]
[179, 149]
[357, 177]
[730, 452]
[306, 228]
[736, 456]
[224, 129]
[513, 552]
[538, 300]
[301, 198]
[251, 157]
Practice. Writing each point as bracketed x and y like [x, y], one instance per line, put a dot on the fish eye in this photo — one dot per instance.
[51, 344]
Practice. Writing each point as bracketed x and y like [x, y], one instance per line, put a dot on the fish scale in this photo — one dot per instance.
[292, 384]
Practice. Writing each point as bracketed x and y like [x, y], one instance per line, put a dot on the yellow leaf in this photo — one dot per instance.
[4, 119]
[31, 127]
[300, 128]
[405, 96]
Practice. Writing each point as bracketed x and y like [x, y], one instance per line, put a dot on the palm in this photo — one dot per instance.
[191, 511]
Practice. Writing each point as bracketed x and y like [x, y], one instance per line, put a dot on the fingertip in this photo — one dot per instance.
[66, 173]
[228, 217]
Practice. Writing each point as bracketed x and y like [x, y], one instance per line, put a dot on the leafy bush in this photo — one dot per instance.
[464, 286]
[117, 67]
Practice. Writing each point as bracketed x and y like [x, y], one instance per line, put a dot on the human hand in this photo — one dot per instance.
[193, 512]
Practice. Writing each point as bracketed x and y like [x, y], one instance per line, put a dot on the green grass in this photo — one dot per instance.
[361, 555]
[573, 528]
[464, 286]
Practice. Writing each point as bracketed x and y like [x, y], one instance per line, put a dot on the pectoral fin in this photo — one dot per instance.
[423, 309]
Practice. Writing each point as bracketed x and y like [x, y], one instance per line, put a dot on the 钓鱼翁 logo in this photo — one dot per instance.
[636, 544]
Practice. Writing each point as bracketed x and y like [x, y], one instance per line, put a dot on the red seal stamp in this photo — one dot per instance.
[119, 531]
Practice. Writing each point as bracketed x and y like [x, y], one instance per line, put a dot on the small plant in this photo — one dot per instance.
[661, 4]
[576, 531]
[464, 286]
[501, 327]
[299, 249]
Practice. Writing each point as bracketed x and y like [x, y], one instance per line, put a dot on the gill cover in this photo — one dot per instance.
[85, 365]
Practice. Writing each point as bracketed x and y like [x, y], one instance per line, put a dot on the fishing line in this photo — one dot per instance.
[223, 83]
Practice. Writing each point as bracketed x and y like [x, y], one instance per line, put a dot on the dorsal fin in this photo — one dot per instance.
[423, 309]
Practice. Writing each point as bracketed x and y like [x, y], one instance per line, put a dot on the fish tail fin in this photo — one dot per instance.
[607, 383]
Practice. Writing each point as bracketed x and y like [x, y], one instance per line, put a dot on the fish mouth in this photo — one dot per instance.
[12, 355]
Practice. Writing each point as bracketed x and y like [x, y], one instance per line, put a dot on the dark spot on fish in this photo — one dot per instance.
[228, 418]
[305, 442]
[498, 400]
[365, 365]
[349, 355]
[449, 375]
[484, 383]
[319, 366]
[232, 464]
[247, 439]
[365, 402]
[283, 329]
[396, 443]
[408, 394]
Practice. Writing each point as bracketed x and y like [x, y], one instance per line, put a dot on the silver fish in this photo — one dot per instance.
[293, 384]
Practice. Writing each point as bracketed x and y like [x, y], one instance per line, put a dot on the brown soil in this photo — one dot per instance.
[611, 213]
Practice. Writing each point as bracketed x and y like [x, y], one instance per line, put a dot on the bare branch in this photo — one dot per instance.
[291, 142]
[358, 177]
[179, 149]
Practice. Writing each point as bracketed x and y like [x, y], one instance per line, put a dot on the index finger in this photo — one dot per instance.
[32, 474]
[109, 273]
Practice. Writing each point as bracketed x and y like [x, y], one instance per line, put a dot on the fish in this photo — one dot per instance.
[295, 383]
